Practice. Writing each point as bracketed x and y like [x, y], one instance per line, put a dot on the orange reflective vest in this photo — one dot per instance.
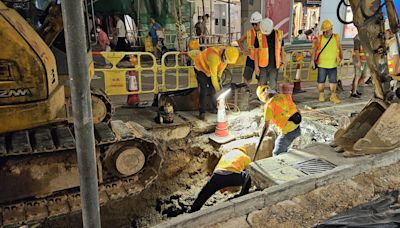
[336, 37]
[263, 58]
[201, 61]
[283, 108]
[251, 39]
[234, 161]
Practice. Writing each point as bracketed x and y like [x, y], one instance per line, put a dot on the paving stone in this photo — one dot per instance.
[248, 203]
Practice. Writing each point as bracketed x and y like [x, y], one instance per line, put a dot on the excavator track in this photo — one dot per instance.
[59, 141]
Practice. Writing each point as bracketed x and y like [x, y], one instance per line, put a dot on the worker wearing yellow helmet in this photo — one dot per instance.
[327, 54]
[252, 38]
[281, 111]
[270, 55]
[209, 66]
[229, 172]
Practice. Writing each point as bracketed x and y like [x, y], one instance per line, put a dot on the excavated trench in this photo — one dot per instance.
[188, 163]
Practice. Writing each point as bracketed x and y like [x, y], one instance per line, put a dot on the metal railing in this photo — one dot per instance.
[173, 73]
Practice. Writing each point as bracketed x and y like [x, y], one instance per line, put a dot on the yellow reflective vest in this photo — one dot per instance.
[278, 110]
[209, 62]
[234, 161]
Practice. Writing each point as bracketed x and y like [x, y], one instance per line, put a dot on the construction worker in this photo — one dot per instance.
[252, 43]
[269, 56]
[361, 69]
[229, 172]
[209, 66]
[281, 111]
[327, 55]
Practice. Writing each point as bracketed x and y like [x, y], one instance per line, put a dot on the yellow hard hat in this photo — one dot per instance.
[231, 55]
[326, 25]
[260, 90]
[194, 44]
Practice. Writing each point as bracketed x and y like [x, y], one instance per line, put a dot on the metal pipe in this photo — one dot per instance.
[291, 25]
[76, 44]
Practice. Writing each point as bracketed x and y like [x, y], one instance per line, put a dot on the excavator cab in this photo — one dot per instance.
[30, 94]
[34, 81]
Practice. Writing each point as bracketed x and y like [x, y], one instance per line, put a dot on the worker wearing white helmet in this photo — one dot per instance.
[270, 55]
[252, 44]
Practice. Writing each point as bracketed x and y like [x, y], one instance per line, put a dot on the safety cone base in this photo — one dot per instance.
[221, 140]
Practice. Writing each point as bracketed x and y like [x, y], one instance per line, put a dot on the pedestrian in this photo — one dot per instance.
[104, 42]
[361, 69]
[327, 55]
[198, 26]
[281, 111]
[229, 172]
[209, 66]
[252, 40]
[301, 35]
[103, 39]
[157, 35]
[120, 32]
[181, 38]
[269, 56]
[204, 28]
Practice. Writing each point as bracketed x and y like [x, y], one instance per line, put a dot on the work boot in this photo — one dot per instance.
[321, 97]
[334, 98]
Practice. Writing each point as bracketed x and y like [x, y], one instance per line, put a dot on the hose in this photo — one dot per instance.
[338, 12]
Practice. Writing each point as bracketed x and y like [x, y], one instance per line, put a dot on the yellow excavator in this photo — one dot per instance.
[376, 128]
[38, 165]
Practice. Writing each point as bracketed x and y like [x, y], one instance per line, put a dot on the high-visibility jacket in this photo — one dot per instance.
[278, 110]
[251, 39]
[234, 161]
[209, 62]
[263, 54]
[326, 50]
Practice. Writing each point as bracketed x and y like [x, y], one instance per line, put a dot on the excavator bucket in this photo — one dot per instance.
[375, 130]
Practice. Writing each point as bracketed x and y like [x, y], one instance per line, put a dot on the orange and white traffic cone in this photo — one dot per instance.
[133, 99]
[221, 134]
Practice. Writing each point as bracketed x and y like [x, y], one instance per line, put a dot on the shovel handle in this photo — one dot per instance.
[259, 143]
[246, 180]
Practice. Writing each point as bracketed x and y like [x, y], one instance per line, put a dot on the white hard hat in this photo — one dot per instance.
[266, 26]
[256, 17]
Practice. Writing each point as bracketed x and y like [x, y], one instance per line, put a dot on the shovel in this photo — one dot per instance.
[246, 180]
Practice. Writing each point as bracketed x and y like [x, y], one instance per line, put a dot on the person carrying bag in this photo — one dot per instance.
[314, 62]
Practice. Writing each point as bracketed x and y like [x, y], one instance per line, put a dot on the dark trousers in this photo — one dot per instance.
[207, 92]
[121, 44]
[218, 182]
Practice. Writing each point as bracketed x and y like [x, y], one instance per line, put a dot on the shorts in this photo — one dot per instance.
[323, 73]
[363, 71]
[248, 69]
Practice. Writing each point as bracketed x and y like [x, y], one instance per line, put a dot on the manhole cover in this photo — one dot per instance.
[314, 166]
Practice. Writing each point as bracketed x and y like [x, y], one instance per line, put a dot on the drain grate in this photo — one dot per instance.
[314, 166]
